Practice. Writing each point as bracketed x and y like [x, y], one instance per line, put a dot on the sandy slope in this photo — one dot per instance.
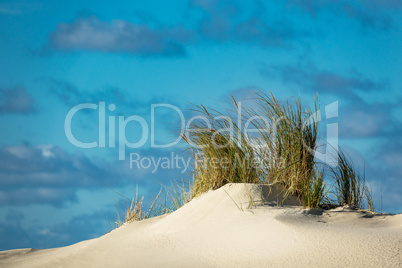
[219, 230]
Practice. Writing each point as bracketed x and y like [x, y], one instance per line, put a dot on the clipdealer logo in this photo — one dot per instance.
[147, 130]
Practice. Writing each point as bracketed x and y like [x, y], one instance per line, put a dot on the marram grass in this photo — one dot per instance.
[221, 152]
[282, 153]
[350, 185]
[166, 201]
[289, 135]
[288, 139]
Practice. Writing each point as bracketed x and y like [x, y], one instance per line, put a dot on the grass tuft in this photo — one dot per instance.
[221, 152]
[134, 210]
[351, 187]
[283, 153]
[313, 190]
[288, 139]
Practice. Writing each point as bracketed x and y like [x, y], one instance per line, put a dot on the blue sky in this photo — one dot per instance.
[56, 55]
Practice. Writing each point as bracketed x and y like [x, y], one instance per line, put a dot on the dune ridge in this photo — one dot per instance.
[236, 225]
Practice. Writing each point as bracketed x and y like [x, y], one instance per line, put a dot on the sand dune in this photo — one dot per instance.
[223, 228]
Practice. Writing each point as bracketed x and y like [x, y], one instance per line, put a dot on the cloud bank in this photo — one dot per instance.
[46, 174]
[79, 228]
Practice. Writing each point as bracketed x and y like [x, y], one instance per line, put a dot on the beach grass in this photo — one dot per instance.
[289, 133]
[282, 153]
[221, 152]
[134, 210]
[350, 184]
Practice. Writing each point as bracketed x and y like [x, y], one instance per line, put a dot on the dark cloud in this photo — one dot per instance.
[15, 216]
[360, 121]
[118, 36]
[370, 14]
[68, 93]
[16, 100]
[357, 122]
[79, 228]
[47, 174]
[13, 236]
[21, 196]
[309, 77]
[386, 172]
[358, 118]
[390, 152]
[227, 21]
[51, 176]
[71, 95]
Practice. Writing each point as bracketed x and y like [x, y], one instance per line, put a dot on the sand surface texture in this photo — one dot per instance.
[230, 227]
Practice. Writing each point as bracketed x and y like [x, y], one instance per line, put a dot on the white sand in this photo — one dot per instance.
[219, 230]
